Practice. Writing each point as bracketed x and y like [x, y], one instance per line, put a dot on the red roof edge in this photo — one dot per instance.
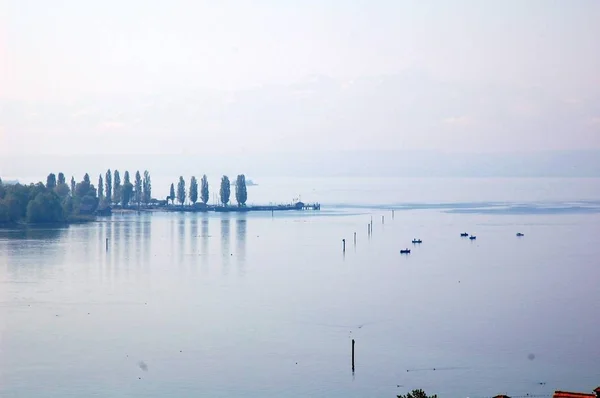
[567, 394]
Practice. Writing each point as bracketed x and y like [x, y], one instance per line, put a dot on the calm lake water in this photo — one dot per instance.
[221, 305]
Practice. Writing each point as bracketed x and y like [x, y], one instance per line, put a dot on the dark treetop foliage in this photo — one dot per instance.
[172, 193]
[181, 190]
[85, 188]
[126, 193]
[241, 193]
[147, 187]
[62, 189]
[126, 178]
[225, 191]
[51, 181]
[116, 193]
[138, 188]
[193, 190]
[417, 394]
[72, 185]
[45, 208]
[204, 189]
[100, 187]
[50, 203]
[108, 183]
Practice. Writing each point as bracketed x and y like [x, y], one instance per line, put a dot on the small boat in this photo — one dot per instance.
[472, 237]
[520, 234]
[417, 241]
[405, 251]
[464, 234]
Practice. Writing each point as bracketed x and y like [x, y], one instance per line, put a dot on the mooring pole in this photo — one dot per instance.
[344, 245]
[355, 239]
[382, 219]
[392, 214]
[106, 244]
[352, 355]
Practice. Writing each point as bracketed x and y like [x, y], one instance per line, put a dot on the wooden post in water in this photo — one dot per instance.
[392, 214]
[106, 244]
[382, 219]
[355, 239]
[344, 245]
[352, 355]
[369, 229]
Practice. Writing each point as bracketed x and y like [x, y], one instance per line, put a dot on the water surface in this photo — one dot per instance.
[218, 305]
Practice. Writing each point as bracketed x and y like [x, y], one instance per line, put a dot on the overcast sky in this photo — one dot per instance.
[149, 76]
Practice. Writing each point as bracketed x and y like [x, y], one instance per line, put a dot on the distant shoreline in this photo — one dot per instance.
[202, 208]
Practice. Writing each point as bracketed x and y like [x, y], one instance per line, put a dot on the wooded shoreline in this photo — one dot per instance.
[58, 202]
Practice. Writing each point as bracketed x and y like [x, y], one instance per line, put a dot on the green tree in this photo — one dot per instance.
[34, 190]
[73, 185]
[35, 203]
[62, 190]
[84, 187]
[181, 190]
[45, 208]
[85, 196]
[138, 188]
[15, 207]
[126, 178]
[88, 204]
[100, 187]
[147, 186]
[61, 179]
[126, 193]
[241, 193]
[68, 206]
[417, 394]
[108, 183]
[4, 212]
[204, 189]
[172, 193]
[116, 187]
[225, 191]
[193, 190]
[51, 181]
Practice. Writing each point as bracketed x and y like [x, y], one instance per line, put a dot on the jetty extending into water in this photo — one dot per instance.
[202, 208]
[243, 209]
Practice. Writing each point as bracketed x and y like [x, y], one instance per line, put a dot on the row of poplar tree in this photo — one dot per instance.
[115, 192]
[110, 188]
[241, 192]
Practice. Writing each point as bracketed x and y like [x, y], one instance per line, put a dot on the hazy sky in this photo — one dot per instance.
[149, 76]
